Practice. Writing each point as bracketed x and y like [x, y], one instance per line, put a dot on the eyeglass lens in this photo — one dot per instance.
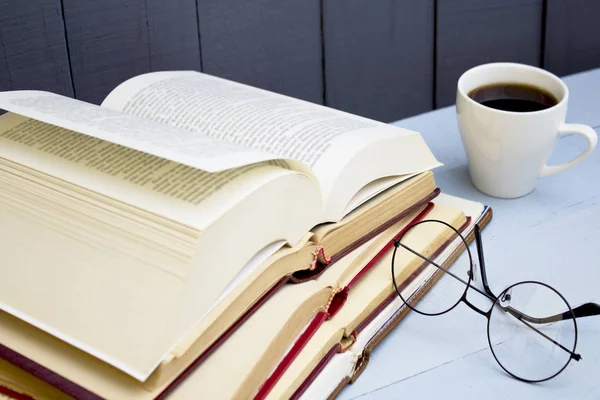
[527, 343]
[434, 241]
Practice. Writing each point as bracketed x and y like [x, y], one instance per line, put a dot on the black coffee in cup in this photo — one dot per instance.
[514, 97]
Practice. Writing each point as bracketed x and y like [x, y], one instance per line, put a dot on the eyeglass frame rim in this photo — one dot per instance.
[462, 298]
[488, 293]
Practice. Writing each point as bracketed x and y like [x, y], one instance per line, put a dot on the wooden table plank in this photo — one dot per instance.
[113, 40]
[378, 57]
[270, 44]
[572, 36]
[477, 376]
[472, 32]
[33, 49]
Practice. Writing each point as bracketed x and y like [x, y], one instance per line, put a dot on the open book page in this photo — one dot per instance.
[320, 138]
[245, 272]
[92, 198]
[372, 189]
[168, 142]
[135, 180]
[101, 303]
[238, 367]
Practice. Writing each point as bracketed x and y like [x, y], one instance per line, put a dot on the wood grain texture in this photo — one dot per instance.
[472, 32]
[572, 36]
[113, 40]
[379, 57]
[33, 50]
[271, 44]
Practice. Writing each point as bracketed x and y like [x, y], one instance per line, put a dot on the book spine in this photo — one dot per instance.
[221, 339]
[52, 378]
[316, 371]
[291, 355]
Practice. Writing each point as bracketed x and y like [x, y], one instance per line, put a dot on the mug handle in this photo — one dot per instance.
[578, 129]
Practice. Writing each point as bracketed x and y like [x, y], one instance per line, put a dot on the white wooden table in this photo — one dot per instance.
[551, 235]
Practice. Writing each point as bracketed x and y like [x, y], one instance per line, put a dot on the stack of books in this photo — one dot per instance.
[196, 238]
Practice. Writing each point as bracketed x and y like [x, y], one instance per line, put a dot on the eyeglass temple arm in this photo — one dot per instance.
[479, 244]
[584, 310]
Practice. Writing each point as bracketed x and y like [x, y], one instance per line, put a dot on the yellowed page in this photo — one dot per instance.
[75, 365]
[241, 297]
[92, 373]
[113, 307]
[327, 336]
[184, 147]
[238, 113]
[259, 341]
[248, 355]
[323, 139]
[131, 178]
[103, 291]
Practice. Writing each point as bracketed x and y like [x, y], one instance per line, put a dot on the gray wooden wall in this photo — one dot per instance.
[384, 59]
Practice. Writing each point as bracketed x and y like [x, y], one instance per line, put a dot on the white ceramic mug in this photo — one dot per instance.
[507, 151]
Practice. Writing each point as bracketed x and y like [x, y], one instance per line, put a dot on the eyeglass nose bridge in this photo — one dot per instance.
[475, 308]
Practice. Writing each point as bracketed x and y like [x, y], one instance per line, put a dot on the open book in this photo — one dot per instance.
[134, 219]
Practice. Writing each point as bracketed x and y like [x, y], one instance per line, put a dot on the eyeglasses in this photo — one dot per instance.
[531, 330]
